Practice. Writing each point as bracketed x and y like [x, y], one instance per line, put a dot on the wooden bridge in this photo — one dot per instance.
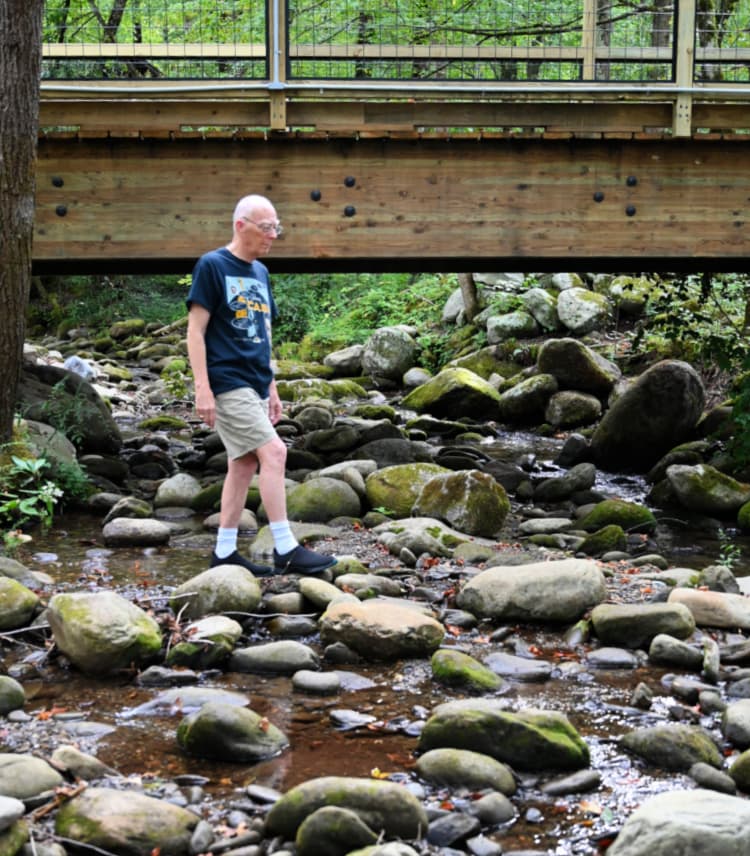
[500, 152]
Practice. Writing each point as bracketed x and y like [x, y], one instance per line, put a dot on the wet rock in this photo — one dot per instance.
[526, 401]
[657, 412]
[672, 747]
[205, 643]
[493, 808]
[388, 353]
[582, 311]
[316, 683]
[705, 489]
[575, 783]
[697, 821]
[80, 765]
[454, 390]
[184, 700]
[526, 740]
[468, 500]
[714, 609]
[386, 808]
[25, 777]
[419, 535]
[518, 668]
[227, 732]
[11, 810]
[381, 631]
[576, 366]
[179, 490]
[631, 516]
[735, 723]
[319, 500]
[666, 650]
[451, 829]
[21, 574]
[454, 668]
[133, 532]
[608, 539]
[397, 488]
[126, 822]
[612, 658]
[368, 585]
[283, 657]
[101, 632]
[17, 604]
[559, 488]
[12, 695]
[345, 362]
[332, 830]
[461, 768]
[634, 625]
[558, 591]
[222, 589]
[706, 776]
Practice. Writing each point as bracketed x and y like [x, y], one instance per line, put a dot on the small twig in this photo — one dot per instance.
[83, 845]
[60, 797]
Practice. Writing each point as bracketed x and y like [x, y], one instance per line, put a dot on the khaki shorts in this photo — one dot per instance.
[242, 421]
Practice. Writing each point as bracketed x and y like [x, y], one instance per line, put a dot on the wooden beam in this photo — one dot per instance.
[398, 204]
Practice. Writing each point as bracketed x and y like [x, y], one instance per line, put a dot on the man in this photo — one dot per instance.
[230, 310]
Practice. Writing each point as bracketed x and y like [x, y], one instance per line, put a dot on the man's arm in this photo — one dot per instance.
[205, 404]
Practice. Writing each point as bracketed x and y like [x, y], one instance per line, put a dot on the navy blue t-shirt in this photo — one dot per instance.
[238, 336]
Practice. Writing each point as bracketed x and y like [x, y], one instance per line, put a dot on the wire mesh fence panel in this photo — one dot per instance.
[634, 42]
[154, 39]
[722, 34]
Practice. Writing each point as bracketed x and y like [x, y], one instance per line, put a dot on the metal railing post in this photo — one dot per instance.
[682, 120]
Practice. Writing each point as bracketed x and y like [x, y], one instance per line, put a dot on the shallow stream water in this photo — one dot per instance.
[398, 696]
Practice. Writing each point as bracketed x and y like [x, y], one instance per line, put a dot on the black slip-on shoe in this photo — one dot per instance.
[300, 560]
[237, 558]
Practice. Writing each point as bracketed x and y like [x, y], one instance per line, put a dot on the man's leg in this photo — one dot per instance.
[240, 472]
[288, 554]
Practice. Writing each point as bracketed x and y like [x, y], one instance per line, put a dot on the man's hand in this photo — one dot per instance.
[275, 410]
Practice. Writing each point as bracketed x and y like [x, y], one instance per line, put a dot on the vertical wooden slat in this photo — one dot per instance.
[278, 41]
[684, 67]
[588, 39]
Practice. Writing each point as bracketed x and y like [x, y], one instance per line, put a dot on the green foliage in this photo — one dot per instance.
[65, 412]
[26, 494]
[729, 552]
[328, 312]
[703, 320]
[96, 302]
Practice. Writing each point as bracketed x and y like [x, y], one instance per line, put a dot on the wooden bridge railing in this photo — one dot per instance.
[576, 67]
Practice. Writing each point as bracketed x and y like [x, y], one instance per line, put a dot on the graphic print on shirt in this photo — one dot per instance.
[247, 297]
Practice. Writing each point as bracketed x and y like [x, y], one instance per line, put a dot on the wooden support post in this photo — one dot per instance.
[278, 39]
[588, 40]
[682, 123]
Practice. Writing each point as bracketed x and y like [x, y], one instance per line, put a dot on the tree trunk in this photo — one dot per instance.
[20, 68]
[469, 294]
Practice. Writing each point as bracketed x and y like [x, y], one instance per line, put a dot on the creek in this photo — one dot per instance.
[385, 703]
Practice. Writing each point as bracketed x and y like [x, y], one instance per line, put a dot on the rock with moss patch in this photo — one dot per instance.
[395, 489]
[526, 740]
[673, 747]
[455, 390]
[17, 604]
[456, 669]
[227, 732]
[630, 516]
[468, 500]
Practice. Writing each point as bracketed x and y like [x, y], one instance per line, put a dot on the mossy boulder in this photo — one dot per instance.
[673, 747]
[604, 540]
[455, 390]
[526, 740]
[468, 500]
[630, 516]
[396, 488]
[456, 669]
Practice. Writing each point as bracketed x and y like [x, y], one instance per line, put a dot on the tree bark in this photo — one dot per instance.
[469, 294]
[20, 68]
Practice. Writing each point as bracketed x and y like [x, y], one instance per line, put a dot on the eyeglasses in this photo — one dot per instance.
[266, 227]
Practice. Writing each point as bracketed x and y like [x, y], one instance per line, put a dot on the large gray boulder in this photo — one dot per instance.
[101, 632]
[126, 822]
[658, 411]
[555, 591]
[69, 403]
[226, 732]
[468, 500]
[697, 821]
[388, 353]
[576, 366]
[385, 807]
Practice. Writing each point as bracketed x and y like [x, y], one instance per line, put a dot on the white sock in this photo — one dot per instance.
[226, 542]
[283, 538]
